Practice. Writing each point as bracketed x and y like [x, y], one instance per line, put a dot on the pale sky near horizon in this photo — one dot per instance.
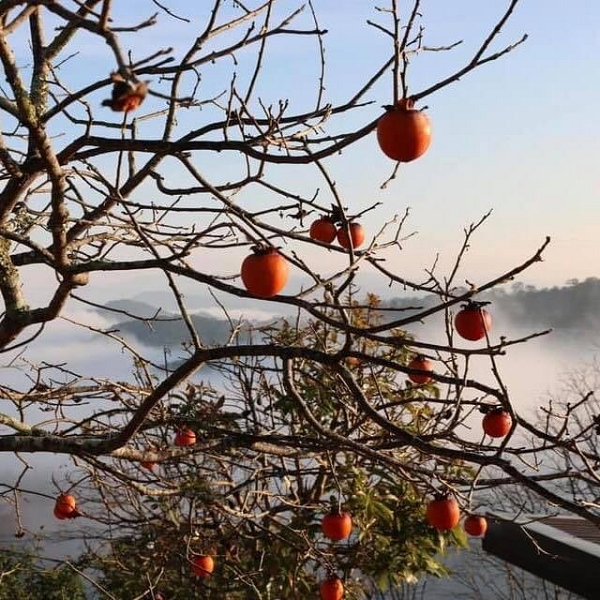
[518, 135]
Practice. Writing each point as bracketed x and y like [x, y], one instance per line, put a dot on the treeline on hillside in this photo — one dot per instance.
[574, 306]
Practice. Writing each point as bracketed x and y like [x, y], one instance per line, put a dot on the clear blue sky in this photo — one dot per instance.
[518, 135]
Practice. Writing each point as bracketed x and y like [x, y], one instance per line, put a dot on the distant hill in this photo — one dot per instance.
[574, 307]
[133, 307]
[211, 330]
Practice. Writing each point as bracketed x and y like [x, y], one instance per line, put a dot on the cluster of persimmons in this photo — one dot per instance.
[404, 134]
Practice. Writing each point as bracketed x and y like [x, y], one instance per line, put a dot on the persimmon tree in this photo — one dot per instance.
[113, 176]
[257, 508]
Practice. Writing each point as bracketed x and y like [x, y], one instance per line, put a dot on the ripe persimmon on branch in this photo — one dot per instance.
[312, 412]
